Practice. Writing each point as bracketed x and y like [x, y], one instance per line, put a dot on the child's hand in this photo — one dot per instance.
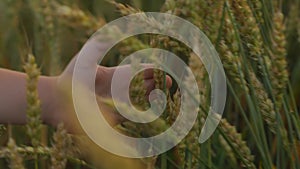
[63, 107]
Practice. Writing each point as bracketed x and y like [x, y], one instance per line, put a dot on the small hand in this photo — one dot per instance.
[64, 111]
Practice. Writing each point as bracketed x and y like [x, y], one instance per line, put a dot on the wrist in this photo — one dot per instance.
[58, 105]
[48, 92]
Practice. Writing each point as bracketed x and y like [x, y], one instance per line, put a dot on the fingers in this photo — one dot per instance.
[150, 84]
[148, 73]
[168, 81]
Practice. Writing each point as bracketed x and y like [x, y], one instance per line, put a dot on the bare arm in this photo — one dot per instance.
[13, 97]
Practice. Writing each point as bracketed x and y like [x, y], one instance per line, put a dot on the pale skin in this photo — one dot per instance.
[56, 106]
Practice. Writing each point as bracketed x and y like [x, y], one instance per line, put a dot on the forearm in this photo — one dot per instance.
[13, 97]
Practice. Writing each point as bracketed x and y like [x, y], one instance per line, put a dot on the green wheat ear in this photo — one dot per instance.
[279, 72]
[234, 139]
[34, 123]
[2, 129]
[62, 148]
[15, 159]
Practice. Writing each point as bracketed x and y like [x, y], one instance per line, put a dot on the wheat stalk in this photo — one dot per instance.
[228, 150]
[250, 33]
[15, 159]
[34, 123]
[257, 8]
[279, 73]
[229, 53]
[238, 145]
[76, 18]
[62, 148]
